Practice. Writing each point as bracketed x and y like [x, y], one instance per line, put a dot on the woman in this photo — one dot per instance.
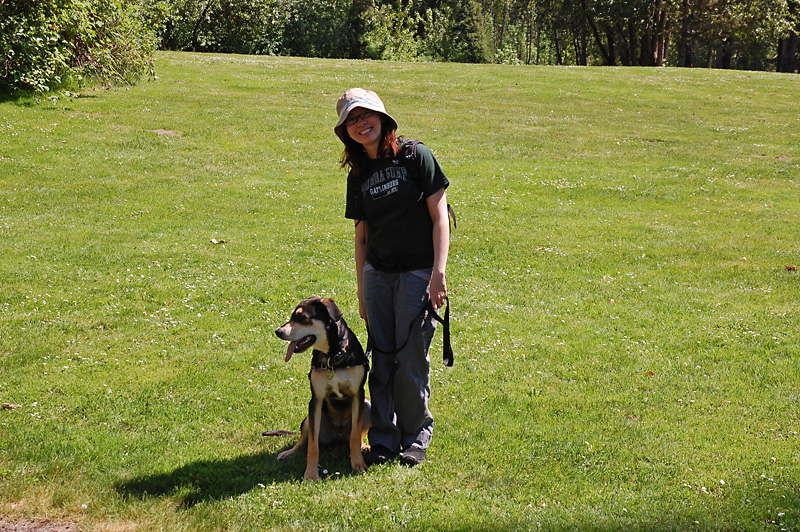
[396, 195]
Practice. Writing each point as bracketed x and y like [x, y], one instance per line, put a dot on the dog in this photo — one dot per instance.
[338, 410]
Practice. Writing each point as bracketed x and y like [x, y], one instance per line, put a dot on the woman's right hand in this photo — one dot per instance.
[362, 308]
[362, 236]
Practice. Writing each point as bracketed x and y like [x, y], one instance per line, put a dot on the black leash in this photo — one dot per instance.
[447, 349]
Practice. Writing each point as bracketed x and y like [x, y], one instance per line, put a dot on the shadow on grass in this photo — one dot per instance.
[20, 99]
[30, 98]
[209, 480]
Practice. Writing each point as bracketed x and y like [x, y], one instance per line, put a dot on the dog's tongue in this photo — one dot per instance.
[290, 351]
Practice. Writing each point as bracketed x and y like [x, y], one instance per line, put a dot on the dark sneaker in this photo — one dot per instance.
[413, 456]
[379, 454]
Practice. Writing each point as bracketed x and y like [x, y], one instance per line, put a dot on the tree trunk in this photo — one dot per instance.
[684, 38]
[579, 42]
[528, 38]
[584, 47]
[789, 47]
[788, 58]
[612, 54]
[538, 41]
[661, 34]
[558, 47]
[200, 19]
[632, 40]
[608, 58]
[725, 55]
[503, 24]
[625, 47]
[649, 36]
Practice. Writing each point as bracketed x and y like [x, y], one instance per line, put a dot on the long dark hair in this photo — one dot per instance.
[355, 156]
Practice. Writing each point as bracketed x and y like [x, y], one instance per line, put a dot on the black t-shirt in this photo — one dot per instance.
[390, 196]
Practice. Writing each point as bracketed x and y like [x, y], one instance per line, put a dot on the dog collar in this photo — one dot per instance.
[328, 361]
[326, 365]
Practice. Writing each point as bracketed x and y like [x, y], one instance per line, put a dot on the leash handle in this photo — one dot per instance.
[447, 349]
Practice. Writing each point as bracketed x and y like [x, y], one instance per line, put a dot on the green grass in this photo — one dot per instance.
[625, 327]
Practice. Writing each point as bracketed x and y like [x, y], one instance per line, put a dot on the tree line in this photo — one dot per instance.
[48, 43]
[744, 34]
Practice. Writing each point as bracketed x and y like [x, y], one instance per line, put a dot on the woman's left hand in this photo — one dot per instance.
[438, 289]
[437, 206]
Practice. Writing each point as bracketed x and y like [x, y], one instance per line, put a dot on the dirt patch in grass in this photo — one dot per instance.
[23, 525]
[167, 132]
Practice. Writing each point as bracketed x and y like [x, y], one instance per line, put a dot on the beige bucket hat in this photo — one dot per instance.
[353, 98]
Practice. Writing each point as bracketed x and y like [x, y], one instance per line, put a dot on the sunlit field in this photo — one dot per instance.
[623, 288]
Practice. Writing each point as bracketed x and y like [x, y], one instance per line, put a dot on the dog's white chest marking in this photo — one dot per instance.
[336, 387]
[336, 390]
[343, 383]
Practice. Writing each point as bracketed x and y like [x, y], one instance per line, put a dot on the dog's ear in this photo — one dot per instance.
[333, 310]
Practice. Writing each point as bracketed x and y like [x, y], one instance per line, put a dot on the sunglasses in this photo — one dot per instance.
[353, 120]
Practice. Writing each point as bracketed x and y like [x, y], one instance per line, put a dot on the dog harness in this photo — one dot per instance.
[330, 363]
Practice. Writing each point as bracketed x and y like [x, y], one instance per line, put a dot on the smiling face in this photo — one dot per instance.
[364, 126]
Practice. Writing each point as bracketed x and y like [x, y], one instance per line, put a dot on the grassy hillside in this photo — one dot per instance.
[624, 321]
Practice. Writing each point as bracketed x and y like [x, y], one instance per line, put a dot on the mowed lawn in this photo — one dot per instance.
[625, 306]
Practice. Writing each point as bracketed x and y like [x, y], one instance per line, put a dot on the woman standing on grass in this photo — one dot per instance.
[396, 195]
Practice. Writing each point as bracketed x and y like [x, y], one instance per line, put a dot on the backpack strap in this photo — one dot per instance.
[408, 152]
[408, 158]
[409, 149]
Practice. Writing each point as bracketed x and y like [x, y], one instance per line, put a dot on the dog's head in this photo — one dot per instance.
[309, 325]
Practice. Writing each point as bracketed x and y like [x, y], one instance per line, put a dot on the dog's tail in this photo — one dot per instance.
[279, 433]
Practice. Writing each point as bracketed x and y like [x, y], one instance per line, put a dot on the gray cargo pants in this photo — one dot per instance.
[399, 383]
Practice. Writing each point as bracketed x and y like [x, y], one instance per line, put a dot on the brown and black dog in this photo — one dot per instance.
[338, 410]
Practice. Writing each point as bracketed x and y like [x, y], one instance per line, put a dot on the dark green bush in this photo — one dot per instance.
[456, 32]
[47, 44]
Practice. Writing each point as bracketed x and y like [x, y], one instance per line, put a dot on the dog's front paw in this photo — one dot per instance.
[285, 455]
[358, 464]
[311, 474]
